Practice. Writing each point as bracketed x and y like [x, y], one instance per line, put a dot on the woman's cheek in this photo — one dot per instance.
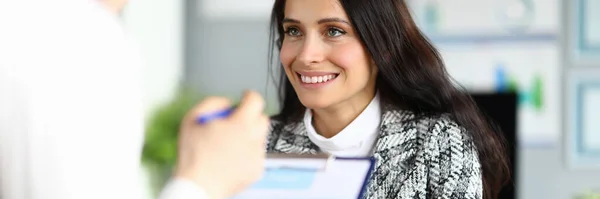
[287, 54]
[349, 56]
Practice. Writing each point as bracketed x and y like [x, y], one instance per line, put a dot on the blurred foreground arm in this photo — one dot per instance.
[71, 87]
[71, 119]
[221, 158]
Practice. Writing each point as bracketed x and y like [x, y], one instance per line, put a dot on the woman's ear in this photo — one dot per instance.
[374, 68]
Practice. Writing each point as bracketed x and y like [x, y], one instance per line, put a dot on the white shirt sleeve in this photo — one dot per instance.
[74, 128]
[182, 189]
[71, 124]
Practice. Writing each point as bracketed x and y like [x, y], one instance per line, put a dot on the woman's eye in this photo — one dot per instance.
[294, 32]
[335, 32]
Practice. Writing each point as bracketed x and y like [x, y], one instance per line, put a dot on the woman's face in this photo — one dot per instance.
[323, 57]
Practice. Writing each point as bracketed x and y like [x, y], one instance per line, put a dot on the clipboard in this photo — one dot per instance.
[311, 176]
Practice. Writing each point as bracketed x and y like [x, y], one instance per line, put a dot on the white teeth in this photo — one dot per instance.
[317, 79]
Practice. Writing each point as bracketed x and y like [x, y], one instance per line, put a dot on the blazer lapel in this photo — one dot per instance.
[392, 121]
[294, 139]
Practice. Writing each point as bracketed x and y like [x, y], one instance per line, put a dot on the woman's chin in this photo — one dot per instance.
[315, 103]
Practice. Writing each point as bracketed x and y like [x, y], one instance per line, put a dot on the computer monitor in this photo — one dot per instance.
[501, 108]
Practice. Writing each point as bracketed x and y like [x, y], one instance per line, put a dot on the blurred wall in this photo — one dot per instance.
[157, 26]
[226, 48]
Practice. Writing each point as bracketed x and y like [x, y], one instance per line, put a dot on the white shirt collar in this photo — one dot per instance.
[356, 139]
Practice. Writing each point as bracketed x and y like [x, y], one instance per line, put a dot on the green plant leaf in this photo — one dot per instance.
[160, 145]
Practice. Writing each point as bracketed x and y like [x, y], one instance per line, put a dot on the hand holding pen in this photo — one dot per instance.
[221, 147]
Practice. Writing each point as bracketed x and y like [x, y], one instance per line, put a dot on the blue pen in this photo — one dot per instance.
[203, 119]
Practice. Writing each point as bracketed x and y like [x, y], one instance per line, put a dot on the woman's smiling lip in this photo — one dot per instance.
[315, 80]
[315, 73]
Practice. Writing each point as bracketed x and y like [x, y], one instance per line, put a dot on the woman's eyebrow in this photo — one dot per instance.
[324, 20]
[290, 20]
[333, 19]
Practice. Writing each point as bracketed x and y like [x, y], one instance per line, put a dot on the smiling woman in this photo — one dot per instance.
[320, 44]
[359, 79]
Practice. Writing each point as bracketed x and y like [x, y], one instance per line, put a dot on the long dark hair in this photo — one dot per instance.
[411, 75]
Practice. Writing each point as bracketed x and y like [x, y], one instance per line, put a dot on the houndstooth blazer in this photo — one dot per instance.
[416, 157]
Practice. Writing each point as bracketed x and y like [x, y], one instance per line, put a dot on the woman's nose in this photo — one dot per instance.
[312, 51]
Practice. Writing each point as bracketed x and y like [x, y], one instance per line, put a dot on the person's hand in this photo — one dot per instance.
[225, 155]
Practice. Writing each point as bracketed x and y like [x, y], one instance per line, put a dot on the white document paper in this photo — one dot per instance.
[311, 178]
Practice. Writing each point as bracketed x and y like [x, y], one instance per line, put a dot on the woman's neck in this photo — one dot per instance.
[330, 121]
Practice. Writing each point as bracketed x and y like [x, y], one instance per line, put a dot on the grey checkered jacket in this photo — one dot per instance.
[416, 157]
